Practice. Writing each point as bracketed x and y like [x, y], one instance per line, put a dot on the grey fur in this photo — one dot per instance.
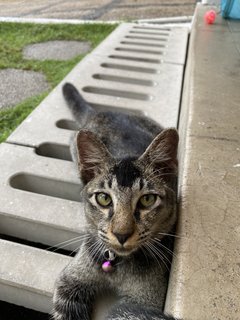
[124, 157]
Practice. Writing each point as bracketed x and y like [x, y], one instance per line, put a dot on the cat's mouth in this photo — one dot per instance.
[125, 249]
[122, 251]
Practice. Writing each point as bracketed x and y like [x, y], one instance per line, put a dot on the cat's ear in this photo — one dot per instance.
[162, 152]
[93, 156]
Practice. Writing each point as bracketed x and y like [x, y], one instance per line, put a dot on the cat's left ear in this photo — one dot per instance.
[93, 156]
[162, 152]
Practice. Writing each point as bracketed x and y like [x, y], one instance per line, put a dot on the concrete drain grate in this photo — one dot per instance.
[136, 69]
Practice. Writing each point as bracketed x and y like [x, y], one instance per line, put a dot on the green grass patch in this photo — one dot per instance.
[11, 118]
[15, 36]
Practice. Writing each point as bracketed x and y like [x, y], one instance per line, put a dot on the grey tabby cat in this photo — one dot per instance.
[127, 164]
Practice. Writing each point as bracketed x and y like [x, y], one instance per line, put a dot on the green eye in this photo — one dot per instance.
[147, 200]
[103, 199]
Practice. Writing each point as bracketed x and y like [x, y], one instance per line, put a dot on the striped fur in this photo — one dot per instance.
[127, 165]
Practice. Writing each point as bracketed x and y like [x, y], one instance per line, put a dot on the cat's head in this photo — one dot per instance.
[129, 201]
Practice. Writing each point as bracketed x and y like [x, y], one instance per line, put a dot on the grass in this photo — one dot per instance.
[14, 37]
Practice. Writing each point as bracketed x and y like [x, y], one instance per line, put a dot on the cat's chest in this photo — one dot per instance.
[125, 272]
[142, 283]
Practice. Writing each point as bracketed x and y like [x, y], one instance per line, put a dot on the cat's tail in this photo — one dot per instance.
[80, 109]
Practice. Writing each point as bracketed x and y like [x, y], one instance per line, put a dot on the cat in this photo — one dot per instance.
[128, 166]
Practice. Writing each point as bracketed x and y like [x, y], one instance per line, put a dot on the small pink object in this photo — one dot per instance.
[107, 266]
[210, 16]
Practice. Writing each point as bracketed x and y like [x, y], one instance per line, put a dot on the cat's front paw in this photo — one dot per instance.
[73, 300]
[70, 310]
[57, 316]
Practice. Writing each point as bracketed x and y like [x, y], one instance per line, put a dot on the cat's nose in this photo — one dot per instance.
[122, 237]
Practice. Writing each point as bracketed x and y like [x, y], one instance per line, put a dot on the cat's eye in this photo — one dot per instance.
[147, 200]
[103, 199]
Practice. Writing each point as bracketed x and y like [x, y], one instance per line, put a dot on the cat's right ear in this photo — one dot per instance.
[162, 152]
[93, 156]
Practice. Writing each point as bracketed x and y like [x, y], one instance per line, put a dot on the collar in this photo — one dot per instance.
[109, 261]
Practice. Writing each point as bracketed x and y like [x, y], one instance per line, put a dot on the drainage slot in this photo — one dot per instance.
[146, 38]
[135, 59]
[46, 186]
[13, 312]
[117, 93]
[139, 51]
[129, 68]
[53, 150]
[103, 107]
[136, 81]
[37, 245]
[67, 124]
[144, 44]
[164, 34]
[149, 28]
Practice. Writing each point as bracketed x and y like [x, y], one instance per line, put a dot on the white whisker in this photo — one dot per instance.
[159, 254]
[152, 254]
[86, 248]
[144, 252]
[64, 244]
[158, 241]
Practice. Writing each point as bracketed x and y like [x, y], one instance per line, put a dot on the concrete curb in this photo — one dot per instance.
[180, 19]
[56, 21]
[204, 282]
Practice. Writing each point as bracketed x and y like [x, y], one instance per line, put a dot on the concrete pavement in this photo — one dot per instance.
[205, 277]
[97, 9]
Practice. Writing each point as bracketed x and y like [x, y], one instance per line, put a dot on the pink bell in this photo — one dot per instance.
[107, 266]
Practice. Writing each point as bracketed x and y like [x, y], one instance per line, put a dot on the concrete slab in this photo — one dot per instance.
[18, 85]
[27, 275]
[234, 25]
[40, 197]
[56, 50]
[205, 280]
